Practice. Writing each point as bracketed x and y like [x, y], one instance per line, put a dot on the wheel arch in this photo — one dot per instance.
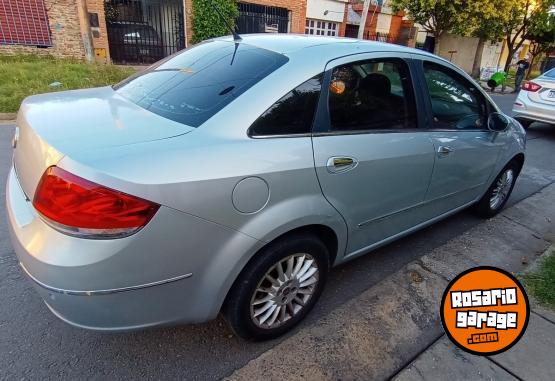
[519, 159]
[325, 233]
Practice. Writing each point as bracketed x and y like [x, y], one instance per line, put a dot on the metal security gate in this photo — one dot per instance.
[144, 31]
[255, 18]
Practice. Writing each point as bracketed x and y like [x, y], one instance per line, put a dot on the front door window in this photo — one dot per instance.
[372, 95]
[456, 103]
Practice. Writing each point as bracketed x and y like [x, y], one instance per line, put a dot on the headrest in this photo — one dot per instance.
[375, 84]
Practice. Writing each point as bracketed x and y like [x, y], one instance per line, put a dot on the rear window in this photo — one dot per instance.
[196, 84]
[550, 73]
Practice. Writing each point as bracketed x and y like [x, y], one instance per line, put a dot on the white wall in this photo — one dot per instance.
[466, 51]
[384, 22]
[490, 55]
[336, 9]
[465, 48]
[421, 33]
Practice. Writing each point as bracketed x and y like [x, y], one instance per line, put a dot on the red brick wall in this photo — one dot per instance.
[343, 25]
[395, 27]
[64, 29]
[371, 22]
[100, 43]
[188, 21]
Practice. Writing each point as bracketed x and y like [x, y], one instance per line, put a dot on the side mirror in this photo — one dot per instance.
[498, 122]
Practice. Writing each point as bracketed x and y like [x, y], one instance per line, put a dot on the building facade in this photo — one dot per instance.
[144, 31]
[127, 31]
[326, 18]
[382, 23]
[50, 27]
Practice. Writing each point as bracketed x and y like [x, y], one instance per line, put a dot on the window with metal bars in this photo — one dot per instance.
[24, 22]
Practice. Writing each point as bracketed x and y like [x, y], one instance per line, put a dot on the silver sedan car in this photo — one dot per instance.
[536, 100]
[232, 176]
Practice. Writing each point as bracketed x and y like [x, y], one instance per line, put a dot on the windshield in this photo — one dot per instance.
[194, 85]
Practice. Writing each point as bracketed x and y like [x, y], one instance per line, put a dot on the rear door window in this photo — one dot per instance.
[194, 85]
[293, 114]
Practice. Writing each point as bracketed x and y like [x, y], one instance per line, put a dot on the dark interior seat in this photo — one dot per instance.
[376, 85]
[377, 102]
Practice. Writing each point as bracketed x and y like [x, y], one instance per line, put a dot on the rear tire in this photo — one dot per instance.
[499, 192]
[278, 288]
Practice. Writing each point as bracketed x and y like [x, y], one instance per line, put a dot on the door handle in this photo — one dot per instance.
[341, 164]
[444, 151]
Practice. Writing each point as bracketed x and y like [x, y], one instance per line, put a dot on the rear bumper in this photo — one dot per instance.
[167, 273]
[534, 117]
[522, 109]
[117, 310]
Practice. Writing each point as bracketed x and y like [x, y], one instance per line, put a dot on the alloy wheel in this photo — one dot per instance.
[502, 189]
[284, 290]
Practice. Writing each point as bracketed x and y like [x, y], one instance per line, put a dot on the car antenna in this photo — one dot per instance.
[236, 36]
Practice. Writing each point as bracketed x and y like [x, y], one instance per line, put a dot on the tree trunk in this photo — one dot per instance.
[478, 57]
[511, 52]
[437, 40]
[532, 61]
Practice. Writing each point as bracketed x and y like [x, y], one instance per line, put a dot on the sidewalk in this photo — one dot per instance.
[393, 329]
[498, 90]
[532, 358]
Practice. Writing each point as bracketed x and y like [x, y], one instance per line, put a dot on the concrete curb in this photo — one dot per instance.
[381, 331]
[546, 313]
[445, 361]
[7, 116]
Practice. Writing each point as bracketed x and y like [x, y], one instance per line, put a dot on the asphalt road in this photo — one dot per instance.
[36, 345]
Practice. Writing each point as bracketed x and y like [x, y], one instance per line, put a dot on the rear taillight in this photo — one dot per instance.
[82, 208]
[531, 86]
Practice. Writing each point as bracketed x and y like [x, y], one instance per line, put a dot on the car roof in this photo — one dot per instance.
[325, 47]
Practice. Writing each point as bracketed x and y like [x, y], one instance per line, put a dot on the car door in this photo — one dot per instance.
[373, 161]
[466, 150]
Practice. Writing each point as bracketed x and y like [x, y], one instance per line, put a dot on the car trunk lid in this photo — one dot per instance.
[54, 125]
[545, 95]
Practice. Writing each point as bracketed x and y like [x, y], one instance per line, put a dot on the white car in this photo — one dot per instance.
[536, 100]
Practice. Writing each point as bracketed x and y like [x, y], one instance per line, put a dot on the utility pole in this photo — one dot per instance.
[362, 25]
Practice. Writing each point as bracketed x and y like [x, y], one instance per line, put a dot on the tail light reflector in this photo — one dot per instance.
[531, 86]
[79, 207]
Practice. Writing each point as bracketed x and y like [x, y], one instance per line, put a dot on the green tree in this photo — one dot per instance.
[437, 17]
[206, 21]
[526, 18]
[542, 34]
[485, 21]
